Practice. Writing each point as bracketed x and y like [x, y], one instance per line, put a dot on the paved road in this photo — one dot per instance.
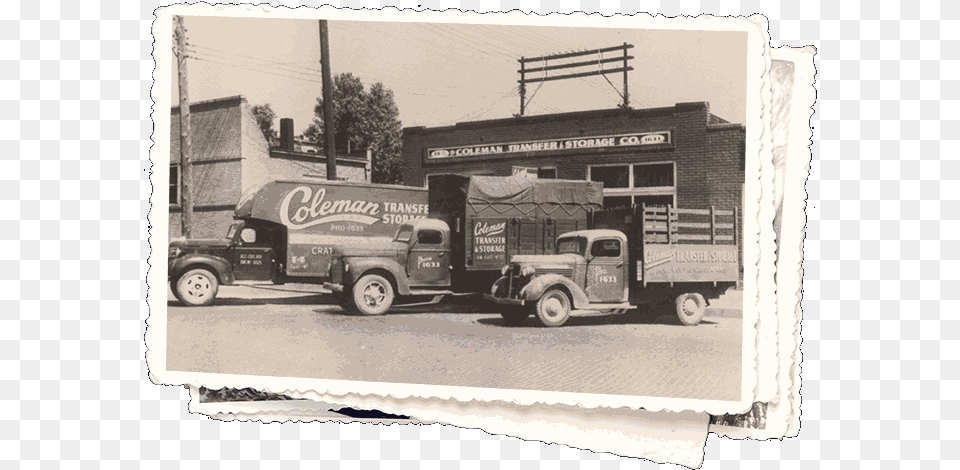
[284, 334]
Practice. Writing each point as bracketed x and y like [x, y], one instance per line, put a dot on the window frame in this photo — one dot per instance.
[175, 167]
[631, 190]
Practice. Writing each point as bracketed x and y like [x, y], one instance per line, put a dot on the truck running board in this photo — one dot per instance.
[610, 306]
[430, 292]
[433, 301]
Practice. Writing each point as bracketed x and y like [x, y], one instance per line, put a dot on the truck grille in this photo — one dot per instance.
[565, 272]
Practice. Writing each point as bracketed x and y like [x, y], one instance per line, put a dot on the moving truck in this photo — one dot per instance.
[493, 218]
[643, 255]
[286, 231]
[476, 225]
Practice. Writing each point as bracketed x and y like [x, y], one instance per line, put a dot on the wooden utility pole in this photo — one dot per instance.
[328, 123]
[186, 170]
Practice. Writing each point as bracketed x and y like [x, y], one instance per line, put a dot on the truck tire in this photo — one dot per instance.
[372, 295]
[553, 308]
[176, 292]
[691, 308]
[197, 287]
[513, 316]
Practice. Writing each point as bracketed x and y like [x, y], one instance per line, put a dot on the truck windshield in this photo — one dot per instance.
[404, 233]
[574, 245]
[232, 232]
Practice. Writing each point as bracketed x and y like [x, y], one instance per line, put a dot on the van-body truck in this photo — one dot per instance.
[286, 232]
[631, 257]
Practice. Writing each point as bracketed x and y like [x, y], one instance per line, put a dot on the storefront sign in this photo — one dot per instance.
[620, 140]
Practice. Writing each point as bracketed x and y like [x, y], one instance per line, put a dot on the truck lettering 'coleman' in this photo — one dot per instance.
[493, 219]
[651, 255]
[286, 231]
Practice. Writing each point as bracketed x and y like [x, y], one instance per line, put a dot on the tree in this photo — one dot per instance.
[364, 120]
[265, 118]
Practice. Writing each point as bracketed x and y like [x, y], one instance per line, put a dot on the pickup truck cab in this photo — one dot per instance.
[367, 275]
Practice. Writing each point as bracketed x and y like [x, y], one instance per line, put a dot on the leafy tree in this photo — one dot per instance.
[364, 120]
[265, 118]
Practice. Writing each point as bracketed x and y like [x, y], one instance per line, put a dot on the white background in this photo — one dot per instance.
[881, 281]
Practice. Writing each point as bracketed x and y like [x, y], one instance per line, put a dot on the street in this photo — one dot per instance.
[289, 334]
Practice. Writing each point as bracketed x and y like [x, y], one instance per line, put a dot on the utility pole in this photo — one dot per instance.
[186, 170]
[328, 123]
[597, 62]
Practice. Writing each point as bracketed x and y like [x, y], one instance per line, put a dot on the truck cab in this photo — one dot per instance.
[249, 252]
[367, 275]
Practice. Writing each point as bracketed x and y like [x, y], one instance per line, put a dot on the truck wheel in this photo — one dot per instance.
[372, 295]
[197, 287]
[553, 309]
[691, 308]
[514, 316]
[176, 292]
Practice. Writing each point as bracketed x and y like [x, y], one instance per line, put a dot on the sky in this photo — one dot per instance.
[442, 74]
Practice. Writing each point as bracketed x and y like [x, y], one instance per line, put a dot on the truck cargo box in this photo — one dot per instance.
[318, 215]
[494, 218]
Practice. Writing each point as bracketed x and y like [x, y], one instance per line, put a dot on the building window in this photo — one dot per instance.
[174, 184]
[543, 172]
[634, 184]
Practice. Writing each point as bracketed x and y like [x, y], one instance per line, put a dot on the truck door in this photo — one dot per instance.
[429, 260]
[253, 257]
[606, 271]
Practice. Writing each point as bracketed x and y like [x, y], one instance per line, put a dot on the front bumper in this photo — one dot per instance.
[502, 301]
[333, 287]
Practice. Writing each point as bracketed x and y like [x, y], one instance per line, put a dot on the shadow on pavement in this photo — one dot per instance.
[319, 299]
[599, 320]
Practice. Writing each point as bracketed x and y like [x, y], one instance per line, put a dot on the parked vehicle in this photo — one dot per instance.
[493, 218]
[682, 257]
[286, 231]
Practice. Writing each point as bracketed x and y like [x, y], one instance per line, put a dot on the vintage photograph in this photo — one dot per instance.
[436, 205]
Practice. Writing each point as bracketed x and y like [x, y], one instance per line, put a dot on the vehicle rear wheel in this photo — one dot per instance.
[372, 295]
[514, 316]
[691, 308]
[197, 287]
[553, 309]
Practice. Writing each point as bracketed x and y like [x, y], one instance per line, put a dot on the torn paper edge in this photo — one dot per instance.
[783, 412]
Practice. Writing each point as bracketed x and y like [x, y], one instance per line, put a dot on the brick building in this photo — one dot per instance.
[681, 155]
[230, 156]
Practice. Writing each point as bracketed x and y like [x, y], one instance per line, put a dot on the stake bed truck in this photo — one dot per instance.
[645, 255]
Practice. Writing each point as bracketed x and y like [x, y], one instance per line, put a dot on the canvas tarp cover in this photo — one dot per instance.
[524, 193]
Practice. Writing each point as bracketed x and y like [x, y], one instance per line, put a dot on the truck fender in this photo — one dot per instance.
[359, 267]
[220, 266]
[539, 285]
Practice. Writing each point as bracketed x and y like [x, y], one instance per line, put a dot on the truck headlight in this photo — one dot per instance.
[527, 270]
[174, 252]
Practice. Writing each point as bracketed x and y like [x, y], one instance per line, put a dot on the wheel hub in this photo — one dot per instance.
[689, 307]
[553, 307]
[374, 294]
